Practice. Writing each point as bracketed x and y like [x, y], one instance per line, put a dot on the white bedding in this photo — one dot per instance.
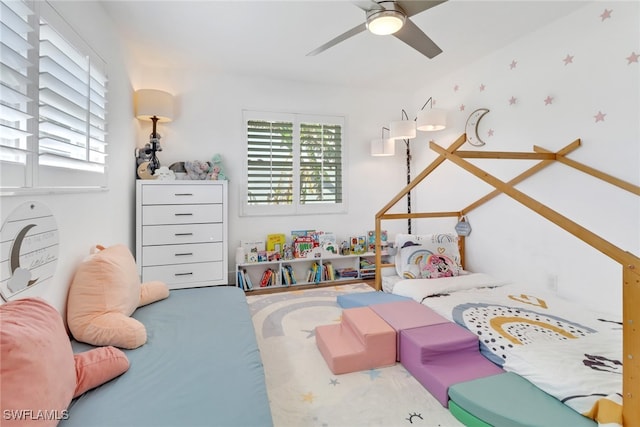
[571, 353]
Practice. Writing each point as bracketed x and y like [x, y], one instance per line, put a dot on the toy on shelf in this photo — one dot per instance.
[197, 170]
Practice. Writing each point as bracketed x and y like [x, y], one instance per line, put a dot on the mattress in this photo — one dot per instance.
[200, 367]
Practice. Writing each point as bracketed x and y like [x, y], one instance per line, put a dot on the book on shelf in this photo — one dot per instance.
[252, 248]
[276, 243]
[302, 246]
[268, 278]
[248, 285]
[288, 275]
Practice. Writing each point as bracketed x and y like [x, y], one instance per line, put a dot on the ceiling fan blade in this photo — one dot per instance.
[342, 37]
[367, 5]
[414, 37]
[414, 7]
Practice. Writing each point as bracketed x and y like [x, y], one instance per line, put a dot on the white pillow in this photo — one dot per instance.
[427, 256]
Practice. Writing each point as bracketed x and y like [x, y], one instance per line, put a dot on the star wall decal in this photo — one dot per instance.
[513, 100]
[568, 59]
[455, 88]
[632, 58]
[482, 86]
[600, 116]
[513, 64]
[490, 132]
[548, 100]
[461, 107]
[606, 14]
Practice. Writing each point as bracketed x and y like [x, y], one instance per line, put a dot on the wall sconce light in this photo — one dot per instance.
[383, 146]
[432, 119]
[156, 106]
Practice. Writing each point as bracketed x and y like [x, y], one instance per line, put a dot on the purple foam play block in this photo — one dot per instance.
[441, 355]
[401, 315]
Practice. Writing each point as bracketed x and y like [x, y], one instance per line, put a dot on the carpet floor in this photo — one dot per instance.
[304, 392]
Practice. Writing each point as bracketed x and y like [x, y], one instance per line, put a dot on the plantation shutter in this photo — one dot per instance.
[269, 162]
[72, 109]
[320, 163]
[16, 103]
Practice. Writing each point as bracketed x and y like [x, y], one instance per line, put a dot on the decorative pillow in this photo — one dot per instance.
[427, 256]
[39, 374]
[105, 291]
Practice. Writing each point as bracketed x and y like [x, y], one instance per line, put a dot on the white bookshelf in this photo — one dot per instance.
[301, 267]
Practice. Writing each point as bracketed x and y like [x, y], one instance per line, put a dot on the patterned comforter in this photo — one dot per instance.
[572, 353]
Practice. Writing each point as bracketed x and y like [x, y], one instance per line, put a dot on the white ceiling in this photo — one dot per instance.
[271, 38]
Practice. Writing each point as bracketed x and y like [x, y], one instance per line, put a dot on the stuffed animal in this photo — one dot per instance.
[198, 170]
[40, 372]
[217, 169]
[104, 293]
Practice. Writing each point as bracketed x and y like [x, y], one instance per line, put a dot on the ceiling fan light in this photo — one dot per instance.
[385, 22]
[431, 120]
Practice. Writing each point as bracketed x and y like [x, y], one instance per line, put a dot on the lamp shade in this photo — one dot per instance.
[385, 23]
[152, 102]
[383, 147]
[431, 120]
[404, 129]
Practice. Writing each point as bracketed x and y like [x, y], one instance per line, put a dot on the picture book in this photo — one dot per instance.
[371, 240]
[276, 243]
[302, 246]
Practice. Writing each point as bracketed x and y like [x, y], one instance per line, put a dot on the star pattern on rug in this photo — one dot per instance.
[310, 332]
[373, 374]
[308, 397]
[334, 381]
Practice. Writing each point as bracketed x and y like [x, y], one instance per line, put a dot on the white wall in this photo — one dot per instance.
[107, 217]
[507, 239]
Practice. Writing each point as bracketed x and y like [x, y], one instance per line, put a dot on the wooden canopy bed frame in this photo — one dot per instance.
[630, 263]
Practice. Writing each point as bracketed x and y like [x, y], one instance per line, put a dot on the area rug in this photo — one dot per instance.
[304, 392]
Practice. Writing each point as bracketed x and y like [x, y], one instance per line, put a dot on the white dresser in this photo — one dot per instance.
[181, 232]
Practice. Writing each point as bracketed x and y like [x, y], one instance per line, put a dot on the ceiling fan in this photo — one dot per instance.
[384, 17]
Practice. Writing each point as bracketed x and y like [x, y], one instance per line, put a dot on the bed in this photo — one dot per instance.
[201, 366]
[571, 353]
[611, 338]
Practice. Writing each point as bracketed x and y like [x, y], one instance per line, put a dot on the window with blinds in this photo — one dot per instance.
[294, 163]
[52, 102]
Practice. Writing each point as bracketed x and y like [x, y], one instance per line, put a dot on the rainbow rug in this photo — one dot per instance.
[303, 391]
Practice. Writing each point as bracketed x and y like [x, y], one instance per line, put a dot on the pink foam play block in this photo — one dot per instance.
[361, 341]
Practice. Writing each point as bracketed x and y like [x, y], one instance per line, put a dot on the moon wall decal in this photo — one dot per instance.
[29, 250]
[471, 128]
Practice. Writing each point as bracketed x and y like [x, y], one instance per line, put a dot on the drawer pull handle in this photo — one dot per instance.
[183, 234]
[183, 194]
[183, 274]
[185, 254]
[184, 214]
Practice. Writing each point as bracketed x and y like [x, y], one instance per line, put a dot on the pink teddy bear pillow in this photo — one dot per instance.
[103, 295]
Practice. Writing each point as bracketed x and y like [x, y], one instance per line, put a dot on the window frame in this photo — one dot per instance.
[34, 176]
[295, 208]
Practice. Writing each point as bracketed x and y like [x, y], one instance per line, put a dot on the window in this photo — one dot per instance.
[294, 164]
[52, 102]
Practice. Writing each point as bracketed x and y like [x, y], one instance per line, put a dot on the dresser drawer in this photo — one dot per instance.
[181, 214]
[181, 254]
[183, 233]
[184, 273]
[174, 194]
